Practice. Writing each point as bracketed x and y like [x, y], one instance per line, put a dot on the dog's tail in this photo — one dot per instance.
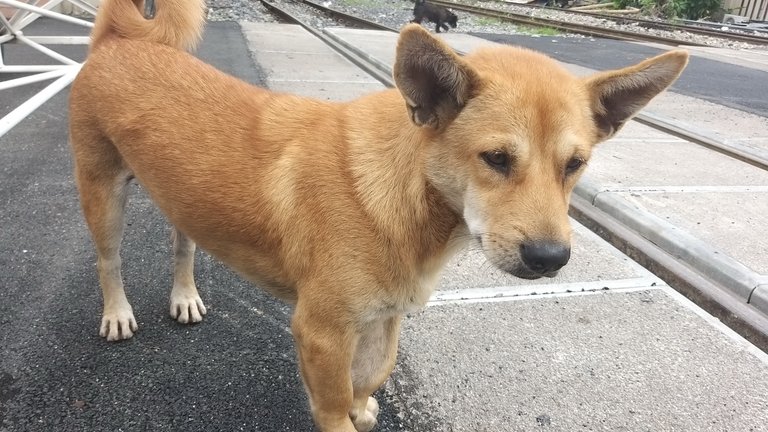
[176, 23]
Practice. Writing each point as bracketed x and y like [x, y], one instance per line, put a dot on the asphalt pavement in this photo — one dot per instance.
[726, 84]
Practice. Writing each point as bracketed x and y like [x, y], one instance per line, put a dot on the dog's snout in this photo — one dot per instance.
[545, 257]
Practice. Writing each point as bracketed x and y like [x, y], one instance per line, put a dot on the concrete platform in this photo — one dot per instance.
[622, 361]
[297, 62]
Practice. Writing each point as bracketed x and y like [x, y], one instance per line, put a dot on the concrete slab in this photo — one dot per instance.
[284, 52]
[578, 363]
[718, 266]
[594, 265]
[378, 45]
[759, 297]
[325, 90]
[732, 126]
[642, 156]
[292, 66]
[273, 37]
[732, 221]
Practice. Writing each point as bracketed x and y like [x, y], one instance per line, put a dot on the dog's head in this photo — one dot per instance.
[509, 132]
[452, 19]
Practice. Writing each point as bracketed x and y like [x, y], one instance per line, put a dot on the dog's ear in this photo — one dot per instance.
[435, 82]
[620, 94]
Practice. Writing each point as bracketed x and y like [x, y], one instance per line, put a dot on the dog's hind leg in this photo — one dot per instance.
[374, 360]
[102, 179]
[186, 304]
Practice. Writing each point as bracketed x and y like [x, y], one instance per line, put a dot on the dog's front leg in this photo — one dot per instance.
[374, 359]
[186, 304]
[325, 340]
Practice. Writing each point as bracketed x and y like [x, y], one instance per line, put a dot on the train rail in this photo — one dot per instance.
[740, 35]
[583, 29]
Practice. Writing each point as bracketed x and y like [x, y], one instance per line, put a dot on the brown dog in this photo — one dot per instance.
[347, 210]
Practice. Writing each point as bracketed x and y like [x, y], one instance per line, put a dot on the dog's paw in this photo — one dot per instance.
[366, 420]
[187, 307]
[118, 324]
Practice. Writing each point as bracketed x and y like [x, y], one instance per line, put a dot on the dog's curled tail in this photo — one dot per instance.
[176, 23]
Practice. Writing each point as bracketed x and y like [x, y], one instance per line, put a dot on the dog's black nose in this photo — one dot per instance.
[545, 257]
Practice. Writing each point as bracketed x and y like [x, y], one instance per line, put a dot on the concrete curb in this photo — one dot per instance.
[712, 263]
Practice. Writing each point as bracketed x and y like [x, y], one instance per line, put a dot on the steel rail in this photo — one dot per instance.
[347, 17]
[704, 31]
[565, 26]
[672, 128]
[350, 55]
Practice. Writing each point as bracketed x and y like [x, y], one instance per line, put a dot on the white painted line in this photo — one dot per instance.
[527, 292]
[629, 138]
[685, 189]
[323, 81]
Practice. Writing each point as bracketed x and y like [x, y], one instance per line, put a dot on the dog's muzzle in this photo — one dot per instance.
[544, 258]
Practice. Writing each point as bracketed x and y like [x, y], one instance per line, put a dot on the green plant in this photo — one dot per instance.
[623, 4]
[659, 8]
[696, 9]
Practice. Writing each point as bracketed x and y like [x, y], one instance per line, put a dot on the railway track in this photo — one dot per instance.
[739, 35]
[693, 283]
[595, 31]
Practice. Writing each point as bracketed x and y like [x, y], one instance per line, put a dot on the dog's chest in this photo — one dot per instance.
[412, 295]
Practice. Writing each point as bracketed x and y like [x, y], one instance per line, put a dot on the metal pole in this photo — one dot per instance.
[47, 13]
[29, 18]
[29, 79]
[84, 6]
[47, 51]
[29, 68]
[22, 111]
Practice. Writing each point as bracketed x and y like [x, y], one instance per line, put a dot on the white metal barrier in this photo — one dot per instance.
[62, 70]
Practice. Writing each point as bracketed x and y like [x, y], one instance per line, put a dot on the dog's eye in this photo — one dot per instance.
[573, 165]
[497, 159]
